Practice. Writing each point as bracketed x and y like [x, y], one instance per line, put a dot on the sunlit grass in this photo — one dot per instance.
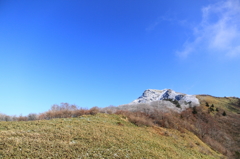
[229, 104]
[97, 136]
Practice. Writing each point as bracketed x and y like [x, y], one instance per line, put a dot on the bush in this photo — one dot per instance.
[8, 118]
[94, 111]
[137, 118]
[194, 111]
[32, 116]
[210, 109]
[22, 118]
[140, 119]
[207, 105]
[64, 110]
[4, 117]
[224, 113]
[79, 112]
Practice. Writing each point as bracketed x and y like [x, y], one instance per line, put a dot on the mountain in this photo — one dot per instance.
[162, 100]
[151, 95]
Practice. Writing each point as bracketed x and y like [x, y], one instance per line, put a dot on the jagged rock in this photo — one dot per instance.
[161, 100]
[150, 95]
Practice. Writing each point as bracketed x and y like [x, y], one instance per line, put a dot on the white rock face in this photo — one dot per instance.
[152, 95]
[161, 100]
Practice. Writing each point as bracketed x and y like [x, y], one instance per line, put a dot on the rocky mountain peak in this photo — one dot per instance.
[151, 95]
[161, 100]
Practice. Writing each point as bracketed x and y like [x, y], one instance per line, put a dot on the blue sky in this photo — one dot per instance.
[101, 53]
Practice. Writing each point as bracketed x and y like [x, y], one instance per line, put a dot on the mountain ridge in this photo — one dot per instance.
[167, 99]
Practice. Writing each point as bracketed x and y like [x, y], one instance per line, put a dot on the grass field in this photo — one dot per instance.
[97, 136]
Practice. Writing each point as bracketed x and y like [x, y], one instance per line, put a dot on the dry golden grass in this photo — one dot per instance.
[97, 136]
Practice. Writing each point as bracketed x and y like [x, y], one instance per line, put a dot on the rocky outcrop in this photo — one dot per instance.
[161, 100]
[180, 100]
[151, 95]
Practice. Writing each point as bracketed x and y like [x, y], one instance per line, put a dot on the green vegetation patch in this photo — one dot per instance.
[231, 104]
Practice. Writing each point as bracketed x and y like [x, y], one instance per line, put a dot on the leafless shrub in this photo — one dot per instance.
[63, 106]
[66, 110]
[137, 118]
[94, 111]
[140, 119]
[42, 116]
[22, 118]
[32, 116]
[14, 118]
[8, 118]
[79, 112]
[109, 110]
[2, 117]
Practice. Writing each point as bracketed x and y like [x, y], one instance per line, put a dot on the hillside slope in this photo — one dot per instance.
[97, 136]
[230, 104]
[226, 126]
[216, 121]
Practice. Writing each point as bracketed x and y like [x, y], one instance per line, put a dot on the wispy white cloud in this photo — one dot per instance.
[218, 32]
[152, 26]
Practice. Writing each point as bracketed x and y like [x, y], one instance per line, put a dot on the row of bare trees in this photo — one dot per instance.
[64, 110]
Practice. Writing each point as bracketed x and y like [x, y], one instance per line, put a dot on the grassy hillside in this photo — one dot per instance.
[226, 127]
[97, 136]
[230, 104]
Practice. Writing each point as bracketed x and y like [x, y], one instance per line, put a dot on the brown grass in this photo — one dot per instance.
[137, 118]
[215, 130]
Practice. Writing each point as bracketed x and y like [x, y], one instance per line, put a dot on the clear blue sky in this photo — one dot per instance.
[101, 53]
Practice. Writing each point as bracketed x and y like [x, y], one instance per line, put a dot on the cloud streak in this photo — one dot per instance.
[157, 22]
[218, 32]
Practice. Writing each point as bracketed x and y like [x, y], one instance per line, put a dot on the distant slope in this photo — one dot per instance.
[231, 104]
[98, 136]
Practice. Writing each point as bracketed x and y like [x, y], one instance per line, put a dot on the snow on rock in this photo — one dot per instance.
[169, 96]
[161, 100]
